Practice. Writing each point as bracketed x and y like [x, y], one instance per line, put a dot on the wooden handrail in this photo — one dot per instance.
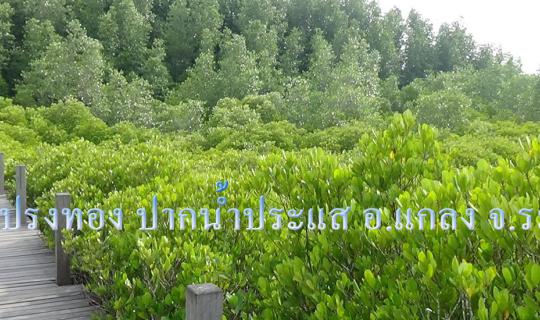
[63, 271]
[20, 186]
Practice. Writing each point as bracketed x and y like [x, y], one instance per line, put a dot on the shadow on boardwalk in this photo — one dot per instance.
[28, 288]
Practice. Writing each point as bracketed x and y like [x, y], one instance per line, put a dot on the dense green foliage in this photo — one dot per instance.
[325, 62]
[310, 103]
[285, 274]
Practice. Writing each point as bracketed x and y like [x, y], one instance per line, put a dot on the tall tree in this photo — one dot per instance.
[358, 69]
[325, 15]
[535, 103]
[229, 9]
[361, 13]
[419, 54]
[238, 75]
[56, 11]
[184, 31]
[484, 57]
[345, 87]
[235, 74]
[200, 83]
[292, 57]
[268, 12]
[72, 67]
[354, 80]
[390, 41]
[145, 8]
[321, 62]
[263, 41]
[38, 35]
[454, 47]
[307, 95]
[88, 12]
[160, 9]
[125, 100]
[6, 39]
[125, 34]
[154, 70]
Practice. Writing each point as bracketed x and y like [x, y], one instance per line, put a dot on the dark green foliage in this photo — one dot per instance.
[125, 100]
[38, 35]
[234, 75]
[155, 72]
[6, 40]
[419, 53]
[183, 32]
[454, 47]
[331, 61]
[185, 116]
[71, 67]
[124, 33]
[58, 12]
[444, 109]
[292, 57]
[88, 12]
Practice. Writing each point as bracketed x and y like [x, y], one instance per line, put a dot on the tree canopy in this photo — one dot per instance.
[331, 62]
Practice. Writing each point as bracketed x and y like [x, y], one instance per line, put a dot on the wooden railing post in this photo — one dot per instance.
[204, 302]
[20, 185]
[63, 272]
[2, 168]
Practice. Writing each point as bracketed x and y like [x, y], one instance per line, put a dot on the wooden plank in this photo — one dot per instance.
[20, 253]
[56, 314]
[24, 282]
[18, 243]
[41, 294]
[37, 286]
[18, 234]
[44, 265]
[37, 307]
[23, 277]
[25, 304]
[29, 260]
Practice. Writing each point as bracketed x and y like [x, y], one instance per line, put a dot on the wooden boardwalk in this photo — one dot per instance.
[28, 287]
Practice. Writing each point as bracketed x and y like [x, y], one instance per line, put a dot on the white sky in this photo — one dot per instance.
[513, 25]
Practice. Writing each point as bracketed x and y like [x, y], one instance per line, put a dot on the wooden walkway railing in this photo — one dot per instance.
[37, 284]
